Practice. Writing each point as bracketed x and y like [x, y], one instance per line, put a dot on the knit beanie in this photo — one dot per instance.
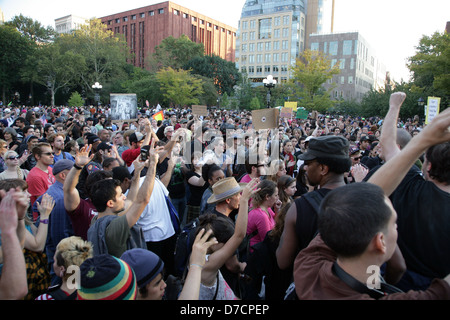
[105, 277]
[146, 264]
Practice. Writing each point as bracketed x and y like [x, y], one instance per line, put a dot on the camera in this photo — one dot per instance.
[144, 154]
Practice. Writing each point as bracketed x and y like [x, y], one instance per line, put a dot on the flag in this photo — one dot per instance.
[147, 103]
[43, 120]
[158, 116]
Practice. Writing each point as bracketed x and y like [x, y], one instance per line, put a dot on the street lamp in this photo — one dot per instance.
[97, 87]
[269, 83]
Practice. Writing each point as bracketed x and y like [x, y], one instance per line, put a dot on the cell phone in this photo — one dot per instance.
[144, 155]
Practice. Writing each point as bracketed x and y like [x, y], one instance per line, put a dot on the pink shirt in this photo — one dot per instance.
[259, 220]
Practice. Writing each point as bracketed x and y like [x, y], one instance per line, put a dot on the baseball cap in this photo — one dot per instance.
[63, 164]
[136, 137]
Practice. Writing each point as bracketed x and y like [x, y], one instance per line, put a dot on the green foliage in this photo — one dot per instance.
[32, 30]
[312, 69]
[174, 53]
[179, 87]
[76, 100]
[224, 73]
[254, 104]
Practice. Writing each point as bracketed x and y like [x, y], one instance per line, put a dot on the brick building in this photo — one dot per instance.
[144, 28]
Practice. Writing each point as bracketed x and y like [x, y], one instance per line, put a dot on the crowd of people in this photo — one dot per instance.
[327, 207]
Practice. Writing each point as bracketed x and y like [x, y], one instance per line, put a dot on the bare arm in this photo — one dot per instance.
[134, 187]
[288, 245]
[71, 195]
[165, 179]
[388, 138]
[145, 191]
[191, 287]
[13, 282]
[389, 176]
[37, 242]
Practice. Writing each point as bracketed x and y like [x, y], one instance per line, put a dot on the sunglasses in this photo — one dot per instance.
[357, 158]
[13, 158]
[47, 153]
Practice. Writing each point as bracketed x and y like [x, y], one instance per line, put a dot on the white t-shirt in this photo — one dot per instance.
[155, 220]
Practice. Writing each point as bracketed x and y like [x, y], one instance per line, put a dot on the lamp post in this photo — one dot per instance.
[97, 87]
[269, 83]
[421, 103]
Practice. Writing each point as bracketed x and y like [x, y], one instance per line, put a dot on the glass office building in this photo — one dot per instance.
[271, 35]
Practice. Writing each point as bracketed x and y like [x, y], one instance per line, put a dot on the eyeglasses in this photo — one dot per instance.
[47, 153]
[357, 158]
[13, 158]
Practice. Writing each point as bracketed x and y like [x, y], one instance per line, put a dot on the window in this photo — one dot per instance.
[244, 48]
[259, 46]
[133, 17]
[315, 46]
[259, 58]
[244, 25]
[176, 12]
[117, 20]
[352, 63]
[347, 47]
[276, 57]
[333, 62]
[284, 68]
[284, 57]
[151, 13]
[350, 79]
[244, 36]
[266, 68]
[285, 20]
[277, 21]
[267, 46]
[251, 69]
[252, 24]
[285, 45]
[333, 48]
[267, 57]
[142, 15]
[285, 32]
[276, 33]
[252, 35]
[125, 19]
[342, 64]
[276, 45]
[251, 47]
[275, 69]
[251, 58]
[161, 11]
[258, 69]
[265, 28]
[342, 79]
[185, 15]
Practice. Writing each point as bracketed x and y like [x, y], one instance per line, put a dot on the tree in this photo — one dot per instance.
[174, 53]
[224, 73]
[15, 50]
[430, 66]
[57, 69]
[312, 69]
[104, 54]
[76, 100]
[179, 87]
[32, 30]
[254, 104]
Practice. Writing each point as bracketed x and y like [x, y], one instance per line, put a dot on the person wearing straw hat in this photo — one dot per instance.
[226, 196]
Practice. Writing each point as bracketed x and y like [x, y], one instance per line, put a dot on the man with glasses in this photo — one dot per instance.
[326, 161]
[41, 176]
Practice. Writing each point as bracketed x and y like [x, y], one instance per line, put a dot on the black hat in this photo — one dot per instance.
[136, 137]
[103, 146]
[335, 147]
[92, 138]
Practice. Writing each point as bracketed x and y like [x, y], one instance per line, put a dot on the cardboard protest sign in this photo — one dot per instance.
[199, 110]
[286, 113]
[265, 118]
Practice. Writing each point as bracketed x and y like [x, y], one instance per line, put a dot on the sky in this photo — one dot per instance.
[392, 28]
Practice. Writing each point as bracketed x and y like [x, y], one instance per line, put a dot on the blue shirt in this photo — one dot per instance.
[61, 156]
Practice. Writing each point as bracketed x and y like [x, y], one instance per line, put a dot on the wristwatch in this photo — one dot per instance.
[44, 221]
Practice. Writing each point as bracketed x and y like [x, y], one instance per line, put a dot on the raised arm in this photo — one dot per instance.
[71, 195]
[13, 282]
[145, 191]
[389, 175]
[37, 242]
[388, 138]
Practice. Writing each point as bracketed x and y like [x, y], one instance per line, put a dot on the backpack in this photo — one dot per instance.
[314, 199]
[183, 247]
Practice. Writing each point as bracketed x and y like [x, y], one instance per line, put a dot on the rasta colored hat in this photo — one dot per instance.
[225, 189]
[334, 147]
[105, 277]
[146, 264]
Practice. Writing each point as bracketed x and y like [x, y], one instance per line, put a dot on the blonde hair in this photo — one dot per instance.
[73, 251]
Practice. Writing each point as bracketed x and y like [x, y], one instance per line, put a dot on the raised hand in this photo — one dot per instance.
[82, 158]
[46, 206]
[250, 189]
[8, 213]
[201, 245]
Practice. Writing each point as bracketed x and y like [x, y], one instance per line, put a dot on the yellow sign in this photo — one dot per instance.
[432, 108]
[292, 105]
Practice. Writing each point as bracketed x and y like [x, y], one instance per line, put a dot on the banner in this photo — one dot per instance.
[265, 118]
